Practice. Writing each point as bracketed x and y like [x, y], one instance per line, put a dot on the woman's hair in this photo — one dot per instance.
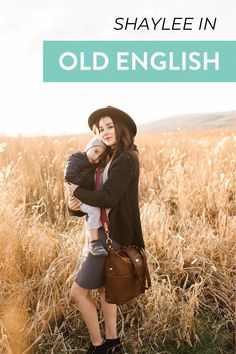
[124, 137]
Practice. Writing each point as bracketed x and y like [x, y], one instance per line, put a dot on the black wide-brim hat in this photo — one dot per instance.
[114, 113]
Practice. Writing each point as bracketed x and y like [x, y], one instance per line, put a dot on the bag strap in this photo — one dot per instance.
[104, 218]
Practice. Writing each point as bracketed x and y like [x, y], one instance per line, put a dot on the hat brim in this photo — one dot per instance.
[114, 113]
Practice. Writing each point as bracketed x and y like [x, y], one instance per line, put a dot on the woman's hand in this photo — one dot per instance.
[73, 202]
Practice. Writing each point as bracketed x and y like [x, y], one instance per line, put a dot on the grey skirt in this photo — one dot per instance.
[91, 272]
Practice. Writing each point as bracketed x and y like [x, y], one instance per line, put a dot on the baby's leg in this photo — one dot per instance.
[93, 234]
[94, 221]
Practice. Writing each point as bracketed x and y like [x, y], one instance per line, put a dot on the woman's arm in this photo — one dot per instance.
[121, 173]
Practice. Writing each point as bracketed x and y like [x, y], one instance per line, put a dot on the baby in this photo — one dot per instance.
[80, 170]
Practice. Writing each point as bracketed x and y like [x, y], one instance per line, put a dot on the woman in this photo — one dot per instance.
[119, 193]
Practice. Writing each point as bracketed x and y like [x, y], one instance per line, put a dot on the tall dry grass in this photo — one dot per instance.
[187, 201]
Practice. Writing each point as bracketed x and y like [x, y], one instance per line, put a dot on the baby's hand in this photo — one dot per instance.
[70, 188]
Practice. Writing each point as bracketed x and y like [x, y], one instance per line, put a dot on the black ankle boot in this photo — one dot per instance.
[98, 349]
[114, 346]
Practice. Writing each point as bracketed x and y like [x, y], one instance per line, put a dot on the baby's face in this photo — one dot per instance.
[94, 153]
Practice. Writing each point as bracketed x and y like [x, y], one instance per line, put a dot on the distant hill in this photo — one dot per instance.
[193, 121]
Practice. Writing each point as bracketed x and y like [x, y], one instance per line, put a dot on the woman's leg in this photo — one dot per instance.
[110, 316]
[88, 311]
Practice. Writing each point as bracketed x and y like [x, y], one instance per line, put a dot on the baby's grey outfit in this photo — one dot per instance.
[94, 216]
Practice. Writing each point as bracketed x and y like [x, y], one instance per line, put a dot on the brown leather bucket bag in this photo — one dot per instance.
[127, 274]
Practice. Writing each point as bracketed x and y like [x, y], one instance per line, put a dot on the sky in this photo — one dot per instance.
[31, 107]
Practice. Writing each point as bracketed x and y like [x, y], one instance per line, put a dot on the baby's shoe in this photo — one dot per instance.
[96, 248]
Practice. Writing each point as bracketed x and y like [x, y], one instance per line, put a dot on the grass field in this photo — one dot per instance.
[187, 203]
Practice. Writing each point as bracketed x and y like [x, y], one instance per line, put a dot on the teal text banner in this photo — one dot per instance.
[139, 61]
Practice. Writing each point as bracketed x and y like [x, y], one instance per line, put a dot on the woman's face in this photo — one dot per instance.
[107, 131]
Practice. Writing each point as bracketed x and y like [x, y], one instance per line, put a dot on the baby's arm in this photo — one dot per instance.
[72, 168]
